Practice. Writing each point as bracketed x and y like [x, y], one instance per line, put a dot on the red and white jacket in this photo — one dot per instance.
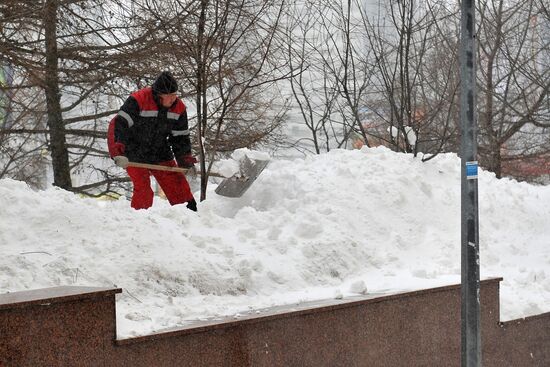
[146, 132]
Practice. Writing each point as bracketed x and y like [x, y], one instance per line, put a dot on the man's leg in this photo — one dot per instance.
[174, 184]
[142, 197]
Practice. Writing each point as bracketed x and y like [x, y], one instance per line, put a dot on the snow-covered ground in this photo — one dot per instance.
[326, 226]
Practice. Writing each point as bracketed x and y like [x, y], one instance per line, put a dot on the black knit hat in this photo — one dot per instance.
[165, 83]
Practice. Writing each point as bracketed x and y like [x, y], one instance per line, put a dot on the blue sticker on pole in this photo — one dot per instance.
[471, 170]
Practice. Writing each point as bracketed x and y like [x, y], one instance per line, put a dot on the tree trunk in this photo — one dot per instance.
[58, 148]
[494, 163]
[201, 97]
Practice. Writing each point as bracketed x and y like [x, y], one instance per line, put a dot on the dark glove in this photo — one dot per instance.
[186, 161]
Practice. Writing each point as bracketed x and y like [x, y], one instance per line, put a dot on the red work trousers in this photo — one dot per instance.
[174, 184]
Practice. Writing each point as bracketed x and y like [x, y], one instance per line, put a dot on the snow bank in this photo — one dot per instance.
[332, 225]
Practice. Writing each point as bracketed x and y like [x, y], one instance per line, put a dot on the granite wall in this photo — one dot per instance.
[76, 326]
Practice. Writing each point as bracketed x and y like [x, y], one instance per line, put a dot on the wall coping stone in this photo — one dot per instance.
[287, 311]
[48, 296]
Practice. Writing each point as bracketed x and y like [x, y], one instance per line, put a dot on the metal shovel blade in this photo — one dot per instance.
[236, 185]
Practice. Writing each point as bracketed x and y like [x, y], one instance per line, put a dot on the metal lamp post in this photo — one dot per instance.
[470, 319]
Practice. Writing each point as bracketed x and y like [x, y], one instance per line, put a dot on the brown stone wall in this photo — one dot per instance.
[71, 326]
[63, 326]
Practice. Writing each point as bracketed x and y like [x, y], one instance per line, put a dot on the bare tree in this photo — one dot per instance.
[74, 54]
[514, 82]
[22, 154]
[413, 99]
[381, 78]
[332, 76]
[313, 89]
[347, 61]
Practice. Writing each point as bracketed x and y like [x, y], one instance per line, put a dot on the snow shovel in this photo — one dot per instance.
[236, 185]
[233, 186]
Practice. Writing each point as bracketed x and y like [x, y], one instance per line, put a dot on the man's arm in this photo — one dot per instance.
[124, 120]
[119, 131]
[181, 142]
[180, 136]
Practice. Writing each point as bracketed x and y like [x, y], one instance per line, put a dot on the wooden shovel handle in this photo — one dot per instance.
[158, 167]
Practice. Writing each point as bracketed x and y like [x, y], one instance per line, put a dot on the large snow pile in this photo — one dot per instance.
[326, 226]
